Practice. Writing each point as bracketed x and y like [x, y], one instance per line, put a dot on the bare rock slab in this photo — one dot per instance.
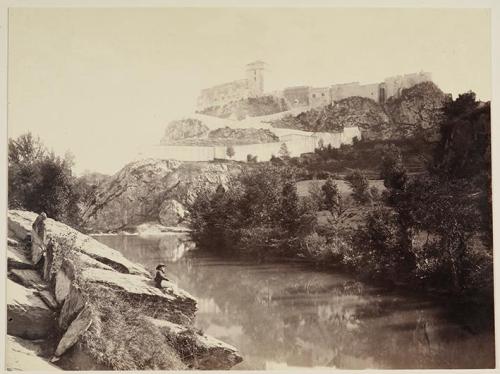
[28, 278]
[23, 355]
[27, 315]
[17, 258]
[65, 238]
[79, 325]
[170, 302]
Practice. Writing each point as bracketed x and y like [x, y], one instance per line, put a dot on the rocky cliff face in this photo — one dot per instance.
[138, 193]
[416, 112]
[94, 309]
[250, 107]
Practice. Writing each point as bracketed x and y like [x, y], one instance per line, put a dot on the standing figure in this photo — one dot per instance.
[160, 275]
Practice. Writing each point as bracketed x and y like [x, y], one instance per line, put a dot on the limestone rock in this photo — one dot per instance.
[170, 302]
[65, 238]
[184, 129]
[416, 112]
[63, 280]
[48, 299]
[171, 213]
[28, 278]
[73, 304]
[207, 352]
[19, 224]
[27, 315]
[12, 242]
[248, 107]
[23, 355]
[134, 195]
[17, 258]
[79, 325]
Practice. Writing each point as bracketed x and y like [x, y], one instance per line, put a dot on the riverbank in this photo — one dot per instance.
[87, 299]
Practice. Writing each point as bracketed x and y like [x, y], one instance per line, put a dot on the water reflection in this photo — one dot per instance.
[287, 315]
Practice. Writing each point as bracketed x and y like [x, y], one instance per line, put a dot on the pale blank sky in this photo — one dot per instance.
[101, 82]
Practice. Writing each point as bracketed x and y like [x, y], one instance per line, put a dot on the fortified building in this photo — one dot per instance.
[306, 96]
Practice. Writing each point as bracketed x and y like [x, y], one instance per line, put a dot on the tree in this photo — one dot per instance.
[283, 152]
[359, 186]
[392, 170]
[331, 194]
[40, 181]
[230, 151]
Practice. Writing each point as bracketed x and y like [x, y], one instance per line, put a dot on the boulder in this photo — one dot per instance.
[28, 278]
[171, 213]
[27, 315]
[170, 302]
[205, 352]
[17, 258]
[23, 355]
[79, 325]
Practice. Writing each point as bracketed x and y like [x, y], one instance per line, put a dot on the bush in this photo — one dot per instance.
[40, 181]
[359, 186]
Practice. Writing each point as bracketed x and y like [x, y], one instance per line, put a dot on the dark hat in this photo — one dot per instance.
[160, 266]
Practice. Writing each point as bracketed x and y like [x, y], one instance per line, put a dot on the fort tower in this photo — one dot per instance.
[255, 78]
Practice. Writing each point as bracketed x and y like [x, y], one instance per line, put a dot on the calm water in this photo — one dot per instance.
[290, 315]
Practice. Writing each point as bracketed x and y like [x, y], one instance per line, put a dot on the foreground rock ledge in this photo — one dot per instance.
[86, 282]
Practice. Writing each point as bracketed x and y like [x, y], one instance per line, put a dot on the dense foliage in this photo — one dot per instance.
[430, 228]
[259, 211]
[40, 181]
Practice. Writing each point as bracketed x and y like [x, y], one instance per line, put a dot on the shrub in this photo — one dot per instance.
[359, 186]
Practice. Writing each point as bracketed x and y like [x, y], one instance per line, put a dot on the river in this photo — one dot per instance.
[287, 315]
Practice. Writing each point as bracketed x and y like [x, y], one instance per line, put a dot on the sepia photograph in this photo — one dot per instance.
[237, 187]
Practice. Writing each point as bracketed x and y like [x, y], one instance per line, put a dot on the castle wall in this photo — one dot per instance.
[370, 91]
[223, 93]
[344, 90]
[319, 96]
[297, 96]
[395, 85]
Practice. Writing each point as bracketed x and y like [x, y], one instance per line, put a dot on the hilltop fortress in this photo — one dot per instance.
[305, 96]
[300, 117]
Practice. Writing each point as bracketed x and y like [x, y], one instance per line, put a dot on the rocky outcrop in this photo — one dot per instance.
[207, 352]
[59, 237]
[249, 107]
[181, 130]
[416, 112]
[354, 111]
[171, 213]
[135, 194]
[27, 315]
[87, 298]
